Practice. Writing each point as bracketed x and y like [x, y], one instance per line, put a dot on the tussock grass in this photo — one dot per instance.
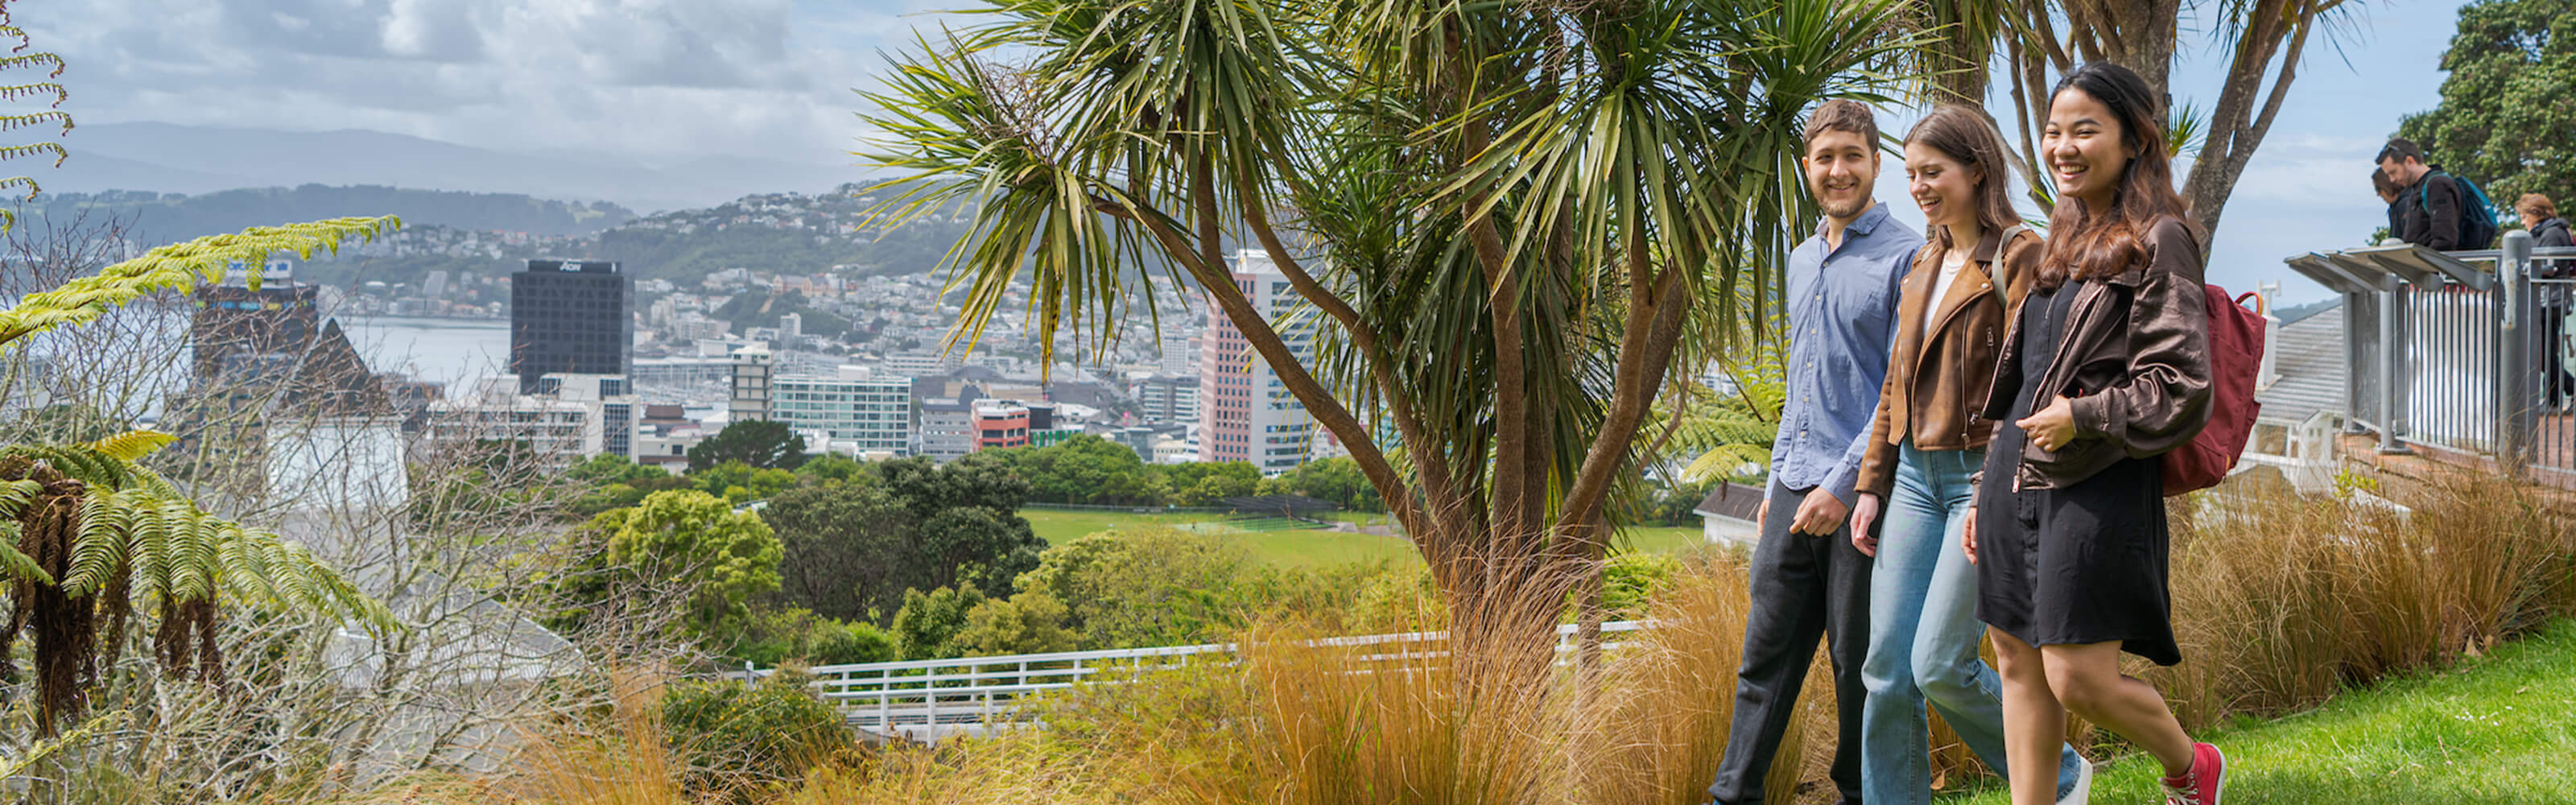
[2280, 603]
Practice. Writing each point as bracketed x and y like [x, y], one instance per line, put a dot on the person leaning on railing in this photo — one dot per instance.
[2540, 215]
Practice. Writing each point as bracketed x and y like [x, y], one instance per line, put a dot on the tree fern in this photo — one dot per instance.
[88, 536]
[128, 545]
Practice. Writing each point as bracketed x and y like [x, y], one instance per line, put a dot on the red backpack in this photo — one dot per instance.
[2235, 356]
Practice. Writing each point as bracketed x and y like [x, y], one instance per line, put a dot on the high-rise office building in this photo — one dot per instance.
[570, 317]
[751, 375]
[1245, 413]
[1165, 399]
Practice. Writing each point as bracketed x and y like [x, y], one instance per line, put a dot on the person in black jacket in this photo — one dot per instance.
[2540, 215]
[2429, 212]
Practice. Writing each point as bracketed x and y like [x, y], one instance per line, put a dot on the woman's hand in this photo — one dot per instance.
[2052, 427]
[1864, 515]
[1968, 536]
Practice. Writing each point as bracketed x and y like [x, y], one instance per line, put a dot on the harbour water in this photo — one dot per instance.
[442, 350]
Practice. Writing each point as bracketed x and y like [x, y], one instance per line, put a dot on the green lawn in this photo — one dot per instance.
[1297, 548]
[1058, 527]
[2496, 730]
[1306, 548]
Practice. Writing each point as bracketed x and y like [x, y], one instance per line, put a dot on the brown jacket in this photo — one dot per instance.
[2134, 359]
[1935, 387]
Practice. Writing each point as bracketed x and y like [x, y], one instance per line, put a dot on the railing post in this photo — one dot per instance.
[2515, 417]
[2392, 363]
[2356, 369]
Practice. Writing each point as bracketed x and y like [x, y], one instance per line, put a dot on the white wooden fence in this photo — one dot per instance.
[927, 700]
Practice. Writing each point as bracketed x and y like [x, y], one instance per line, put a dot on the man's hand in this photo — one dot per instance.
[2052, 427]
[1819, 514]
[1968, 536]
[1864, 515]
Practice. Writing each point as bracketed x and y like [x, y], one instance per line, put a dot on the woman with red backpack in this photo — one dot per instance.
[2106, 368]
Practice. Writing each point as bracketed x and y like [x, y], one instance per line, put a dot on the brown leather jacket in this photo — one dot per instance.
[2134, 359]
[1934, 387]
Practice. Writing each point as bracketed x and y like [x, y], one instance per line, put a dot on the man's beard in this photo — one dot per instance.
[1843, 209]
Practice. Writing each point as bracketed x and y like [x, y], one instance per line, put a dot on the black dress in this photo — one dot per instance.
[2082, 564]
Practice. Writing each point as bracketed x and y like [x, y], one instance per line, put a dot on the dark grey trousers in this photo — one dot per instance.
[1805, 587]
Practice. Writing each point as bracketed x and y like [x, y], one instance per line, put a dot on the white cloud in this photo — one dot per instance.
[659, 79]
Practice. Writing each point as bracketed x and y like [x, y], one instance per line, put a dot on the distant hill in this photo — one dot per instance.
[171, 158]
[159, 218]
[787, 233]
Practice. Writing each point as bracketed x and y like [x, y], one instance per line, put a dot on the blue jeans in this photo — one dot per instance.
[1923, 634]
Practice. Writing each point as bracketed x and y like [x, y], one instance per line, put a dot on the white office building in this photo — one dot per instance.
[858, 411]
[565, 418]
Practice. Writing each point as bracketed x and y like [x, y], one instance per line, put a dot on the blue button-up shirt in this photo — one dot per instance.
[1842, 314]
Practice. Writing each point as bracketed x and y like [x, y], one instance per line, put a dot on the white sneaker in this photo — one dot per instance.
[2083, 790]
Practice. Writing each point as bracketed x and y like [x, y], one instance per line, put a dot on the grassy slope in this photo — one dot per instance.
[2497, 730]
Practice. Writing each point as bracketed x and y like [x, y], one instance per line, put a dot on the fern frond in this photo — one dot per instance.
[15, 495]
[34, 60]
[194, 551]
[15, 766]
[78, 462]
[133, 445]
[156, 527]
[106, 518]
[19, 92]
[246, 564]
[19, 565]
[13, 122]
[9, 152]
[178, 267]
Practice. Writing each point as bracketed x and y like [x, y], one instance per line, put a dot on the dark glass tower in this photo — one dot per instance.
[570, 316]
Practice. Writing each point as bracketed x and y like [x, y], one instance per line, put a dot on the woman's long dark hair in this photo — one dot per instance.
[1968, 138]
[2092, 244]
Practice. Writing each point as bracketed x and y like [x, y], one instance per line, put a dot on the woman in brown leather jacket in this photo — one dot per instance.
[1965, 284]
[2106, 369]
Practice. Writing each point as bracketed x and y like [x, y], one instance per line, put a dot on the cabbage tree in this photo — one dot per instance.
[1508, 218]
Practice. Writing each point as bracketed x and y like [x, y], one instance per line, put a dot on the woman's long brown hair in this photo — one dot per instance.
[1968, 138]
[2087, 244]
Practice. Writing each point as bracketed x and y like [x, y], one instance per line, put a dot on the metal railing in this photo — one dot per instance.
[2456, 351]
[927, 700]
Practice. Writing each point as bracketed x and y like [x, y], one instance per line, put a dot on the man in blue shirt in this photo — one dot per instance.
[1808, 582]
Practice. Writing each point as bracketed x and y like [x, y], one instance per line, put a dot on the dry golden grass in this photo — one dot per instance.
[2279, 603]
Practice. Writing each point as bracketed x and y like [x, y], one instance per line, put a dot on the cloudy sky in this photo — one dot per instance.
[664, 80]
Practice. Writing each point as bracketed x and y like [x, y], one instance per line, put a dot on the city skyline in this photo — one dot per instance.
[661, 81]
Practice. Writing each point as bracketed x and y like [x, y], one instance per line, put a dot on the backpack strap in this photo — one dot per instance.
[2424, 190]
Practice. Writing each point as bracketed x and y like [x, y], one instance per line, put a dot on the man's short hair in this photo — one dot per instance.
[2535, 204]
[2401, 149]
[1844, 115]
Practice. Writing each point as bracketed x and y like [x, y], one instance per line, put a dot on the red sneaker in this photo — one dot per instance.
[2204, 784]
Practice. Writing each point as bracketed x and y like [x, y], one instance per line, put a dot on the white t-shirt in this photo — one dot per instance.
[1949, 272]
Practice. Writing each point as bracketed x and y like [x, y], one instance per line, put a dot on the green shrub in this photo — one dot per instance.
[1029, 623]
[771, 637]
[740, 739]
[927, 626]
